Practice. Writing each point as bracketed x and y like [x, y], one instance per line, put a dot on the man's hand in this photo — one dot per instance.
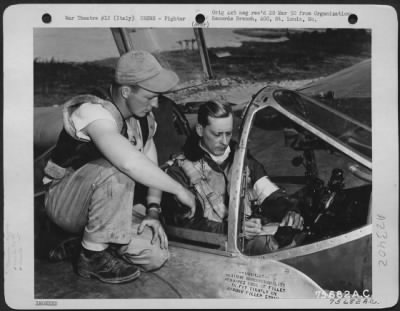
[252, 228]
[293, 219]
[158, 230]
[187, 198]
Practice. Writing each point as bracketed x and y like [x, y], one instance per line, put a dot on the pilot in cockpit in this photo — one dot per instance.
[205, 167]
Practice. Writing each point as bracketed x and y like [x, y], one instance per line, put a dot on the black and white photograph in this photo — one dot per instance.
[206, 162]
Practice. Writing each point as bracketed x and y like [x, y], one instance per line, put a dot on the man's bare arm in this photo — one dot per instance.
[154, 194]
[118, 150]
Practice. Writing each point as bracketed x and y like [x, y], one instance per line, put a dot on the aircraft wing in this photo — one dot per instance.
[354, 81]
[198, 274]
[187, 274]
[47, 126]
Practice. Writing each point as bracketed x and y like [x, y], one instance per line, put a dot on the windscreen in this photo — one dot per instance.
[354, 134]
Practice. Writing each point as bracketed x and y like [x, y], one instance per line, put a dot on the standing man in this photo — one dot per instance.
[205, 167]
[104, 149]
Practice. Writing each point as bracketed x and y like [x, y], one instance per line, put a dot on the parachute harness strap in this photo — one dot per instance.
[211, 200]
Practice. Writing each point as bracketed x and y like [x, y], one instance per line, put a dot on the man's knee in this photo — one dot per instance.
[157, 258]
[141, 252]
[148, 259]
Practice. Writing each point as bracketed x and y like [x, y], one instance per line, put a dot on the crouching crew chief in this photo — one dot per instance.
[106, 147]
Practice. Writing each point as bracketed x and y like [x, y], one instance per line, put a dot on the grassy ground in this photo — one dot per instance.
[306, 55]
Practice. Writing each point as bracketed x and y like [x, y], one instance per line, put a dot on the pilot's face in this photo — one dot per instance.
[140, 102]
[216, 135]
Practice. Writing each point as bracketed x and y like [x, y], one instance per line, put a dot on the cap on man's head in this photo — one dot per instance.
[142, 69]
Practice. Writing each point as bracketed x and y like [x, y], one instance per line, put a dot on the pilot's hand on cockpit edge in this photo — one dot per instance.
[158, 231]
[188, 199]
[292, 219]
[252, 228]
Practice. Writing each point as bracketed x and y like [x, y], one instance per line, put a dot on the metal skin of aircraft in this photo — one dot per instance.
[336, 251]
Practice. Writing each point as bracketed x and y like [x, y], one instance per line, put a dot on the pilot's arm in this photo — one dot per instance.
[276, 205]
[280, 208]
[273, 207]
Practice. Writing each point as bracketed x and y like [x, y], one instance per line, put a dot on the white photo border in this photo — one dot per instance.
[18, 139]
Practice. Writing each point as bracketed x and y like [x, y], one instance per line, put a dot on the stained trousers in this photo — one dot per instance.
[96, 201]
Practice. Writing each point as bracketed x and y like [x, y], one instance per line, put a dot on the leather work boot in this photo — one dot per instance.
[105, 266]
